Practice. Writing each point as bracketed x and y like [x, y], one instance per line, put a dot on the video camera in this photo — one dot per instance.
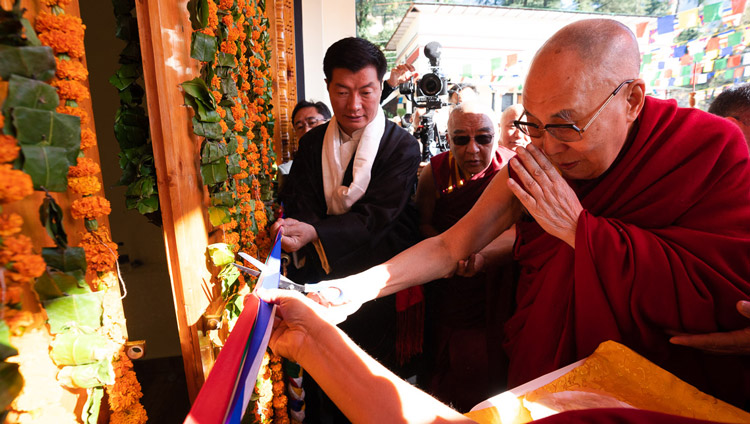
[426, 92]
[431, 86]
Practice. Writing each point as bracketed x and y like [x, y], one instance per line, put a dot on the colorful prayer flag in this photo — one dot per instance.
[640, 29]
[686, 70]
[734, 38]
[680, 51]
[711, 12]
[466, 70]
[726, 51]
[734, 61]
[738, 6]
[688, 19]
[713, 44]
[686, 60]
[698, 57]
[496, 63]
[738, 72]
[720, 64]
[512, 59]
[646, 59]
[665, 24]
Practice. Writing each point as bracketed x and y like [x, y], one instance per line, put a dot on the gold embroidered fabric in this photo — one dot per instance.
[615, 376]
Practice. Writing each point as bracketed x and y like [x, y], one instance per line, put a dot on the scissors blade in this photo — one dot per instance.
[284, 282]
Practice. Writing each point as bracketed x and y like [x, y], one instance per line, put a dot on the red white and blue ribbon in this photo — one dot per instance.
[226, 393]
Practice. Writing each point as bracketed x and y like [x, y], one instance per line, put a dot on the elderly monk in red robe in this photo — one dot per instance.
[463, 360]
[637, 220]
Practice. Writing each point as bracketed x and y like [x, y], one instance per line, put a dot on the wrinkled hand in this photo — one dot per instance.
[545, 194]
[731, 342]
[296, 323]
[401, 74]
[294, 234]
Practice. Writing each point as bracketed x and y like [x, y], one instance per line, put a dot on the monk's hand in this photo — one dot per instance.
[730, 342]
[295, 234]
[545, 194]
[296, 323]
[470, 266]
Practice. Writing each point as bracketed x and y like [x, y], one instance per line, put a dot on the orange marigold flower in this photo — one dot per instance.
[224, 127]
[15, 245]
[234, 33]
[229, 47]
[243, 163]
[60, 3]
[134, 415]
[101, 253]
[227, 19]
[14, 184]
[13, 295]
[64, 33]
[238, 125]
[220, 110]
[255, 35]
[75, 111]
[85, 168]
[208, 31]
[90, 207]
[241, 176]
[8, 148]
[88, 138]
[231, 238]
[10, 224]
[71, 90]
[213, 18]
[231, 225]
[217, 95]
[2, 121]
[28, 266]
[71, 69]
[215, 82]
[84, 185]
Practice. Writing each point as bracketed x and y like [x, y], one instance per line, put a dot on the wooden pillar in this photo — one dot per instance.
[165, 32]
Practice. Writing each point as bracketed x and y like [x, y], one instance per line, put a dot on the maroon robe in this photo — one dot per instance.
[464, 360]
[663, 244]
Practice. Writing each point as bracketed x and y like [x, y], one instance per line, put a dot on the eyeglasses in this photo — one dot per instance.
[565, 132]
[462, 140]
[307, 122]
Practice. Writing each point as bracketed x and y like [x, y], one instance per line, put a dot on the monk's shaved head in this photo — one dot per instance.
[608, 48]
[470, 108]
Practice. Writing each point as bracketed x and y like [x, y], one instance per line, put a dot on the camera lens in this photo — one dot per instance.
[431, 85]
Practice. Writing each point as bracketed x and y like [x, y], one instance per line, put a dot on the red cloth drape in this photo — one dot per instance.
[663, 244]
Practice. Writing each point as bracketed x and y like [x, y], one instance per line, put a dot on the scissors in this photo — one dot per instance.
[284, 282]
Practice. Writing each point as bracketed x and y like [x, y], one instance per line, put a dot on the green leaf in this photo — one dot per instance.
[223, 198]
[149, 204]
[198, 13]
[123, 7]
[126, 75]
[75, 348]
[90, 413]
[6, 350]
[85, 310]
[132, 94]
[233, 165]
[11, 383]
[228, 87]
[87, 376]
[30, 34]
[47, 166]
[220, 253]
[69, 259]
[228, 276]
[55, 284]
[25, 92]
[203, 47]
[213, 151]
[218, 215]
[206, 129]
[225, 59]
[198, 96]
[51, 215]
[127, 27]
[214, 172]
[30, 62]
[35, 126]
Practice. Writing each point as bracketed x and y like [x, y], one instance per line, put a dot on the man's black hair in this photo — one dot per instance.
[354, 54]
[733, 102]
[319, 106]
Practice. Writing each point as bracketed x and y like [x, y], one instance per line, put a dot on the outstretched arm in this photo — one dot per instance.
[362, 388]
[731, 342]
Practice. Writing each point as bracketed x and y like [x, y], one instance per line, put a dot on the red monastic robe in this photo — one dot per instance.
[663, 244]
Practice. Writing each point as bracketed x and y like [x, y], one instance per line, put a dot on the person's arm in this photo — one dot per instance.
[425, 200]
[494, 212]
[498, 252]
[369, 393]
[731, 342]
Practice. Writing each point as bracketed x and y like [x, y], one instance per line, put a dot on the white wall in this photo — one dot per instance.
[323, 23]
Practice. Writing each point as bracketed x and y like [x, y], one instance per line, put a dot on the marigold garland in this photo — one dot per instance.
[90, 207]
[99, 250]
[14, 184]
[8, 148]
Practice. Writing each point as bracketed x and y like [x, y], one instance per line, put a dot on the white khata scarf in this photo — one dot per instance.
[340, 199]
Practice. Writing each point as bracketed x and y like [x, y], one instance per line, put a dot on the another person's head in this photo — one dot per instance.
[354, 70]
[308, 115]
[472, 137]
[734, 104]
[585, 76]
[510, 136]
[460, 93]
